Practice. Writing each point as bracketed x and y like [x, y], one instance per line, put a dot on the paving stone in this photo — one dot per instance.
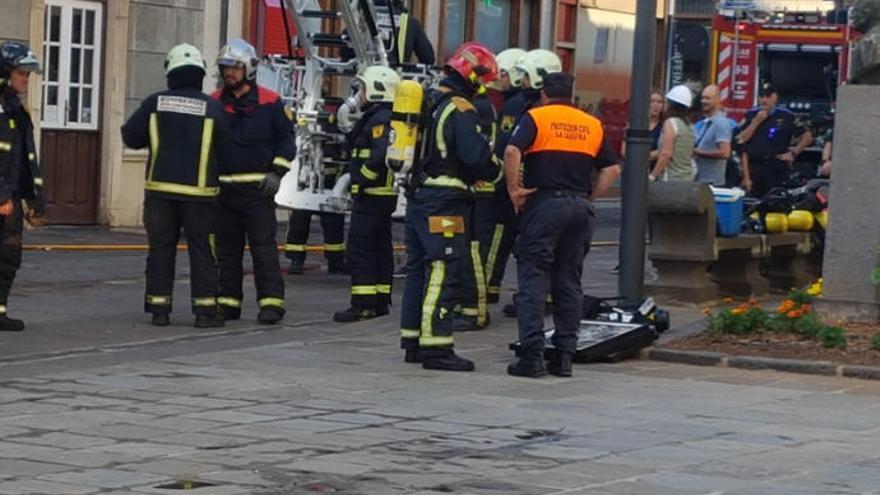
[66, 440]
[207, 402]
[204, 440]
[231, 416]
[20, 468]
[279, 410]
[172, 467]
[145, 450]
[438, 427]
[309, 425]
[85, 458]
[13, 449]
[105, 478]
[357, 418]
[88, 401]
[125, 432]
[635, 488]
[184, 424]
[76, 419]
[32, 487]
[11, 431]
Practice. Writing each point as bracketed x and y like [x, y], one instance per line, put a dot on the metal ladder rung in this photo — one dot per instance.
[329, 40]
[320, 14]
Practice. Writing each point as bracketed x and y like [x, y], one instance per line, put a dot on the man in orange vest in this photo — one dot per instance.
[552, 197]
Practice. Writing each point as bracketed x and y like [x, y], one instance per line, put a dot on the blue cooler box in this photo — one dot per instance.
[728, 210]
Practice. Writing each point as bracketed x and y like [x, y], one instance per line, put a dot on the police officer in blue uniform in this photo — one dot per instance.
[19, 169]
[563, 146]
[183, 128]
[370, 252]
[437, 243]
[251, 165]
[766, 135]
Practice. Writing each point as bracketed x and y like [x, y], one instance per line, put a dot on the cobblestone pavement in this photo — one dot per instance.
[93, 400]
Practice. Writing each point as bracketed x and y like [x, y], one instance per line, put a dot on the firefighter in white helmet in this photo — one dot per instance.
[183, 128]
[528, 74]
[369, 249]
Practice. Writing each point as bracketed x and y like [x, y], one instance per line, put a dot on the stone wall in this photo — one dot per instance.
[853, 238]
[15, 20]
[154, 27]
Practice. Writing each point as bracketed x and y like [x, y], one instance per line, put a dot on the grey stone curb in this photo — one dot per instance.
[704, 358]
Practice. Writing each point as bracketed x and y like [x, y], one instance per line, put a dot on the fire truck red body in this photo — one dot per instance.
[805, 55]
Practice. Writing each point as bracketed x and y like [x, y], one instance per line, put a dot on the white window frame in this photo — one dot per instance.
[64, 83]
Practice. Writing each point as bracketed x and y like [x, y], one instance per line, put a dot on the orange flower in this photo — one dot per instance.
[794, 314]
[754, 302]
[805, 308]
[707, 312]
[728, 300]
[786, 306]
[738, 311]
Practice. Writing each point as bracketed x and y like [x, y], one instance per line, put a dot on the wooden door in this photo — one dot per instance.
[71, 133]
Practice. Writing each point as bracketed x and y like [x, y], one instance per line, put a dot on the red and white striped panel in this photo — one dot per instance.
[725, 66]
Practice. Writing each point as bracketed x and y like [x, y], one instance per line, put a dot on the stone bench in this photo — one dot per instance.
[694, 264]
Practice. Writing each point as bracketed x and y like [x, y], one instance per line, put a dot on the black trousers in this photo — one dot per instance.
[246, 217]
[333, 226]
[10, 251]
[495, 229]
[767, 173]
[554, 233]
[163, 219]
[370, 258]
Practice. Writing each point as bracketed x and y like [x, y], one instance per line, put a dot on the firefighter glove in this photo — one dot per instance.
[270, 185]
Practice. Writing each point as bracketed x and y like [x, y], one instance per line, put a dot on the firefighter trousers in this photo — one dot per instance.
[554, 234]
[370, 258]
[163, 220]
[437, 249]
[495, 230]
[245, 216]
[473, 303]
[10, 251]
[333, 227]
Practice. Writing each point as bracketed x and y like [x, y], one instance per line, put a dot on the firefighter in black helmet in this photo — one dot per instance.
[251, 166]
[182, 127]
[19, 170]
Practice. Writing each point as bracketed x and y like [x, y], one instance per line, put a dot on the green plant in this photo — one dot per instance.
[832, 337]
[875, 341]
[809, 326]
[800, 296]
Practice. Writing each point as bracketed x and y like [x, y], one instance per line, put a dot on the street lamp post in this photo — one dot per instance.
[638, 148]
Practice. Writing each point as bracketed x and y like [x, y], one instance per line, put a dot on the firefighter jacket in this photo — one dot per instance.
[488, 128]
[372, 182]
[262, 137]
[459, 155]
[514, 108]
[19, 169]
[182, 127]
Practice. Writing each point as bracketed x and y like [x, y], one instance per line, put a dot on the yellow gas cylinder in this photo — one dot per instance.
[776, 223]
[822, 218]
[407, 110]
[800, 220]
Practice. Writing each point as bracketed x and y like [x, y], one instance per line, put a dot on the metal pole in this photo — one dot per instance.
[638, 147]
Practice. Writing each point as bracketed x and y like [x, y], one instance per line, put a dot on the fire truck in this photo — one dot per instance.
[804, 54]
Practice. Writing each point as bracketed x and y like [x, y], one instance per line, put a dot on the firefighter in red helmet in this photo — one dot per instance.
[456, 155]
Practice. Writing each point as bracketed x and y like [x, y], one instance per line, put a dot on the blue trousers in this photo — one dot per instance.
[554, 235]
[435, 263]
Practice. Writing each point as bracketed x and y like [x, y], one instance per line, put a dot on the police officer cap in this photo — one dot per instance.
[559, 85]
[767, 89]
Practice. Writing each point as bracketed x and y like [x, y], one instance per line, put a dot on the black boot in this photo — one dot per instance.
[8, 324]
[530, 364]
[382, 310]
[270, 316]
[559, 363]
[353, 314]
[229, 313]
[209, 321]
[412, 356]
[296, 267]
[444, 360]
[161, 319]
